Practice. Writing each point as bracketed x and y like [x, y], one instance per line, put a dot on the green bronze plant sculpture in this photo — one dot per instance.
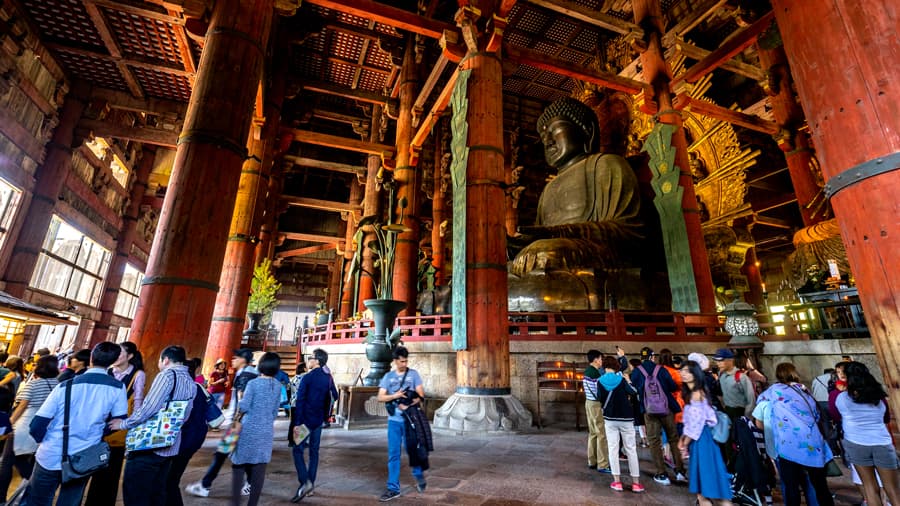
[263, 289]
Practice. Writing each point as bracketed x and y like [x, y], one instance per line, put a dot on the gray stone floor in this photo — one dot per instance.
[538, 467]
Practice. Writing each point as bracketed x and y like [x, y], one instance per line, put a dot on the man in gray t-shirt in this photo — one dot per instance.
[402, 382]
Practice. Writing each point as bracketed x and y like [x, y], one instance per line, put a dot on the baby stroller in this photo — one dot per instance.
[754, 476]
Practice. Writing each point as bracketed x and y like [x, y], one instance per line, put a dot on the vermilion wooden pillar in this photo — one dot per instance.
[648, 14]
[181, 283]
[372, 206]
[483, 368]
[438, 208]
[794, 142]
[843, 58]
[123, 247]
[348, 285]
[51, 176]
[237, 270]
[406, 261]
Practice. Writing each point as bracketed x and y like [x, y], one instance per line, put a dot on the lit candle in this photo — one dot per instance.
[764, 287]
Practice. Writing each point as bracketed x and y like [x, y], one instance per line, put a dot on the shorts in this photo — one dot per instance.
[883, 456]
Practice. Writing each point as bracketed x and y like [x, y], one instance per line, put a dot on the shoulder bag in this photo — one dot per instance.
[161, 429]
[117, 438]
[87, 461]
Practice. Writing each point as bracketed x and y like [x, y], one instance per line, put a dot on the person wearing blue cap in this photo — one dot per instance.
[738, 395]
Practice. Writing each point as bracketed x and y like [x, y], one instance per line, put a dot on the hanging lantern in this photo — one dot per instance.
[740, 322]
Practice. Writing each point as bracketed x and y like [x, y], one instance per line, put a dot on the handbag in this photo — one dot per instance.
[721, 431]
[161, 429]
[87, 461]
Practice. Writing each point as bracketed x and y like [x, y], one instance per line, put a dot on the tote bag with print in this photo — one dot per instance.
[160, 430]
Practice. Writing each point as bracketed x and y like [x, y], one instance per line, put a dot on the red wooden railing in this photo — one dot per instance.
[621, 326]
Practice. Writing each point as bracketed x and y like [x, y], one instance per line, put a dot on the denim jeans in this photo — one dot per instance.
[308, 473]
[43, 486]
[812, 480]
[396, 442]
[219, 398]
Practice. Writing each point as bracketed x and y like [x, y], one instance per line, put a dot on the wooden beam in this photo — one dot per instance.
[734, 117]
[143, 134]
[155, 106]
[768, 221]
[436, 110]
[134, 63]
[338, 117]
[428, 87]
[112, 46]
[587, 15]
[325, 165]
[387, 15]
[301, 236]
[324, 205]
[732, 65]
[340, 91]
[308, 261]
[774, 202]
[524, 56]
[305, 251]
[737, 43]
[334, 141]
[689, 21]
[364, 33]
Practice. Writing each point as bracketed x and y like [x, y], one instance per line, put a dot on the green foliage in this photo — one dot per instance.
[263, 289]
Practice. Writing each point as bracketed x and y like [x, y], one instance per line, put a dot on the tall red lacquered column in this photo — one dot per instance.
[844, 59]
[179, 291]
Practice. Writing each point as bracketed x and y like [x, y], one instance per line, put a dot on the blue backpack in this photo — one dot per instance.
[721, 431]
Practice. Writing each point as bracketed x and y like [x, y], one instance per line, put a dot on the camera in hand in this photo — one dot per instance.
[409, 395]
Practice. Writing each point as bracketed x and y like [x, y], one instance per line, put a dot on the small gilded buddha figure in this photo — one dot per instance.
[588, 215]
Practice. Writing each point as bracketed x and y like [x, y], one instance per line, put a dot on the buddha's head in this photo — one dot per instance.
[568, 129]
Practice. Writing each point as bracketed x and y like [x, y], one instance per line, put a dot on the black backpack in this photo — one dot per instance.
[193, 432]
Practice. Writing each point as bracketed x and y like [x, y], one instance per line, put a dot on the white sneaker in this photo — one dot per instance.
[197, 489]
[245, 491]
[680, 478]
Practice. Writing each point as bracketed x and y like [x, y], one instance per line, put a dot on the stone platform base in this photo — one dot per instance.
[482, 414]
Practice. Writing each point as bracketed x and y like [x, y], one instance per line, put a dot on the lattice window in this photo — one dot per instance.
[550, 79]
[95, 70]
[545, 47]
[162, 85]
[339, 73]
[517, 38]
[371, 81]
[560, 31]
[350, 19]
[64, 20]
[532, 22]
[377, 58]
[308, 65]
[345, 46]
[527, 72]
[585, 41]
[144, 38]
[571, 56]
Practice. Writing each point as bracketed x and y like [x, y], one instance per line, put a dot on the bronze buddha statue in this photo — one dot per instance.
[588, 218]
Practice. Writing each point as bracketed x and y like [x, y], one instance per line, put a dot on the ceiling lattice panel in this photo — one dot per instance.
[371, 81]
[163, 85]
[64, 21]
[339, 73]
[95, 70]
[145, 39]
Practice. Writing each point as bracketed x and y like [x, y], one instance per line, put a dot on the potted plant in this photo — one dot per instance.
[262, 301]
[384, 308]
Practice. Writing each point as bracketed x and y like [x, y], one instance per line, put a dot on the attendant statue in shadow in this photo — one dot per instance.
[584, 250]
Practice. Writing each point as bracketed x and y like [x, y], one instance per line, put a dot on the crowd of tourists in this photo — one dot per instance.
[83, 431]
[732, 435]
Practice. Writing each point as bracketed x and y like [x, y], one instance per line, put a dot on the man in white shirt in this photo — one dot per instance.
[95, 398]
